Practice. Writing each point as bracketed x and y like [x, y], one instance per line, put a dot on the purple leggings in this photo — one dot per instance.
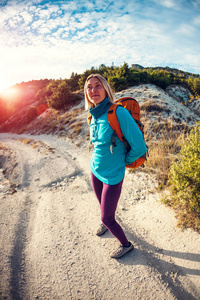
[108, 196]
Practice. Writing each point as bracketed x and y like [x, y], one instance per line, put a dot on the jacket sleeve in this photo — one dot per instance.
[132, 134]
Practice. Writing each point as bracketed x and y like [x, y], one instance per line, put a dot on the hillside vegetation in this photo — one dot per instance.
[59, 94]
[170, 111]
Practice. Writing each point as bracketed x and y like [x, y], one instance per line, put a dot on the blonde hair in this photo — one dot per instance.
[106, 86]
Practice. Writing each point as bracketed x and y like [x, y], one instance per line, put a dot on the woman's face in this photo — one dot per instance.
[95, 91]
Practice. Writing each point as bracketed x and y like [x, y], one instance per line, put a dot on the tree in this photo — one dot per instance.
[160, 78]
[123, 77]
[73, 81]
[84, 76]
[117, 83]
[194, 86]
[60, 95]
[31, 114]
[144, 76]
[197, 87]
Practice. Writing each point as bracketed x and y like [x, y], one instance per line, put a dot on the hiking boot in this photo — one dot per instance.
[102, 229]
[122, 250]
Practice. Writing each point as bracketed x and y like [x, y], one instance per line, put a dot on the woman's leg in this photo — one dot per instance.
[108, 196]
[97, 187]
[109, 200]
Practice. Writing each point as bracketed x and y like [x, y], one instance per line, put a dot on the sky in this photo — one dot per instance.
[51, 39]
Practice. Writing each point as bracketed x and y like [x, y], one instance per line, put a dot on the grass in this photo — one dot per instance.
[161, 155]
[164, 144]
[2, 147]
[26, 141]
[42, 147]
[150, 106]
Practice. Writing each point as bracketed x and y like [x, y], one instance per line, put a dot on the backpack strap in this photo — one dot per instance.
[113, 121]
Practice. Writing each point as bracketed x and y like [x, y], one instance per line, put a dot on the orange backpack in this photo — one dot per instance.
[133, 107]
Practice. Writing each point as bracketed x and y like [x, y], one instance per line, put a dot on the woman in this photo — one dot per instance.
[108, 169]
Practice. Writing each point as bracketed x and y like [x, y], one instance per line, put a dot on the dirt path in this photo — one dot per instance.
[48, 246]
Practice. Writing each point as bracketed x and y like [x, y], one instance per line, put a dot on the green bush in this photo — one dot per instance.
[185, 182]
[117, 84]
[31, 114]
[60, 96]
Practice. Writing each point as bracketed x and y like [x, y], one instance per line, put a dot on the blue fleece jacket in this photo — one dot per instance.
[106, 166]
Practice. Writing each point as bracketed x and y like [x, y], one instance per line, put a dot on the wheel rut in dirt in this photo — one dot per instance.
[18, 260]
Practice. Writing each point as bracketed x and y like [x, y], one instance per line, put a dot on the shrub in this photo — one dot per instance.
[117, 84]
[149, 106]
[60, 95]
[31, 114]
[185, 182]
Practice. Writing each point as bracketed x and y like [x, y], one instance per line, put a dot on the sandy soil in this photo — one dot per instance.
[48, 246]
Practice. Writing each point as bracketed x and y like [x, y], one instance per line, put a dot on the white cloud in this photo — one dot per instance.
[44, 14]
[14, 22]
[37, 24]
[197, 20]
[71, 6]
[186, 29]
[54, 40]
[168, 3]
[27, 17]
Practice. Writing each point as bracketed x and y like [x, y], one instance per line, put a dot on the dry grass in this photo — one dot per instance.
[74, 125]
[87, 135]
[26, 141]
[164, 139]
[151, 106]
[2, 147]
[161, 155]
[74, 129]
[78, 144]
[42, 147]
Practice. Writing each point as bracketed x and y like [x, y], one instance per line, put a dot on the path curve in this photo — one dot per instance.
[49, 249]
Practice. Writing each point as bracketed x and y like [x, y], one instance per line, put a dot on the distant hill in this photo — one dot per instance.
[31, 94]
[167, 69]
[176, 72]
[136, 66]
[164, 108]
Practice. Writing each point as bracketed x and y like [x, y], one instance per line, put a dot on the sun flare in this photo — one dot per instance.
[4, 85]
[9, 94]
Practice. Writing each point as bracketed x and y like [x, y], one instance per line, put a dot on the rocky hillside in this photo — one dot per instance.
[160, 110]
